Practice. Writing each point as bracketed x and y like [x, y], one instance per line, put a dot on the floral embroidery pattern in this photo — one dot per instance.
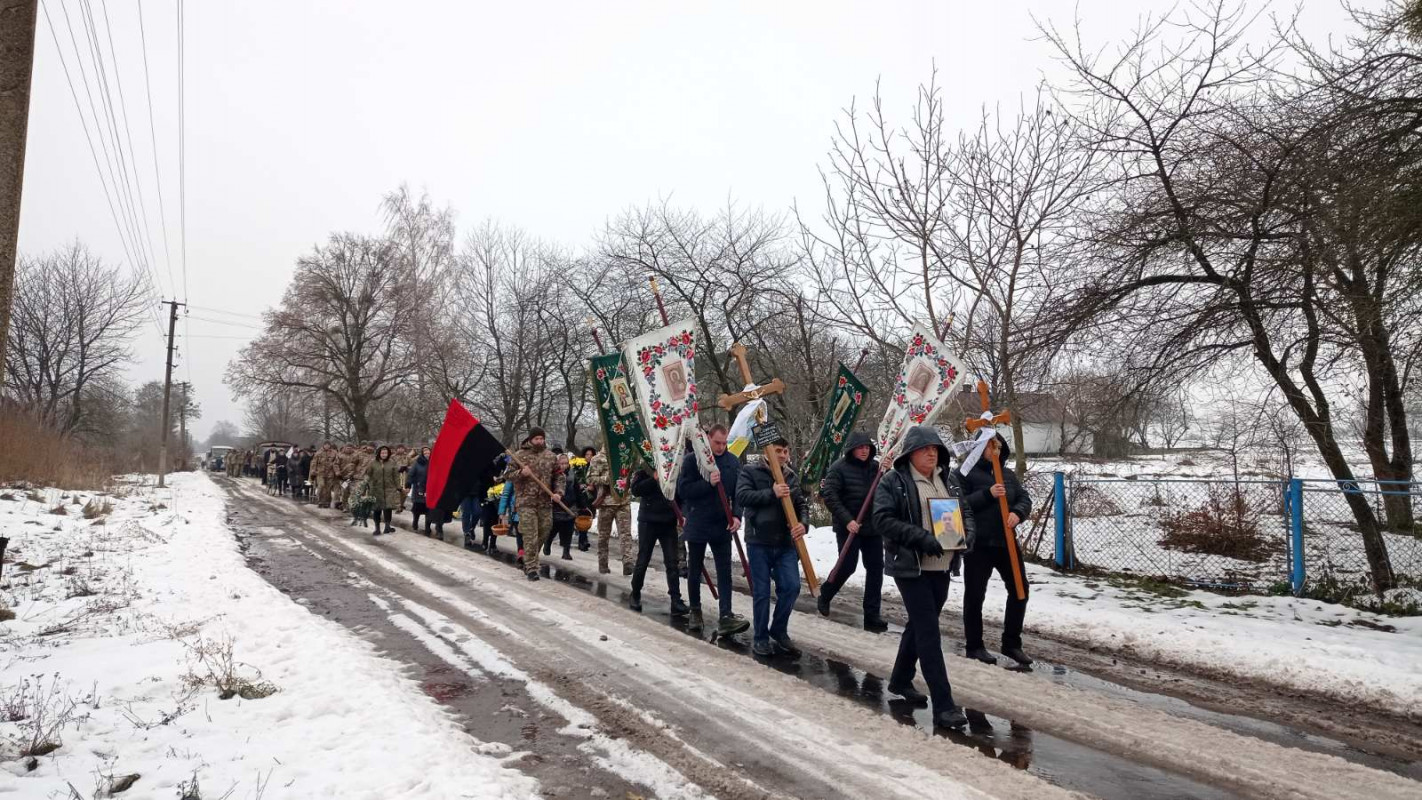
[666, 389]
[923, 348]
[624, 441]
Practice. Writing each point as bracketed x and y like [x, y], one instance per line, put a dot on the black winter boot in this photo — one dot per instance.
[1018, 655]
[635, 601]
[981, 654]
[679, 608]
[909, 694]
[950, 717]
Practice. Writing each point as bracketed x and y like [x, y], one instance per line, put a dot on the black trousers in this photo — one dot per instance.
[921, 645]
[649, 535]
[872, 548]
[696, 561]
[978, 567]
[563, 529]
[417, 510]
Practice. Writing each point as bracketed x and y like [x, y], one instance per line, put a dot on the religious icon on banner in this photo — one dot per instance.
[920, 378]
[947, 515]
[674, 373]
[845, 400]
[622, 396]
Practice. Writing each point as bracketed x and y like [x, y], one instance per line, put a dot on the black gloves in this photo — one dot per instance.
[933, 548]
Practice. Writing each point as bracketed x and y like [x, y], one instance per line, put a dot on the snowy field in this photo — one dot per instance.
[130, 628]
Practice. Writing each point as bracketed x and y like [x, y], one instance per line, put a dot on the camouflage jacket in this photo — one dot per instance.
[325, 464]
[527, 492]
[600, 476]
[346, 464]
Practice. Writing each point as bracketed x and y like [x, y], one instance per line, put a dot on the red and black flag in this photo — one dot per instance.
[462, 456]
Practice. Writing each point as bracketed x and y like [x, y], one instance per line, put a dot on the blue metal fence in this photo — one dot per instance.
[1247, 534]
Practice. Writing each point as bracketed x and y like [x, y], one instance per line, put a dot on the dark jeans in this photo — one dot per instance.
[469, 512]
[721, 554]
[872, 549]
[922, 644]
[978, 567]
[649, 535]
[781, 564]
[417, 510]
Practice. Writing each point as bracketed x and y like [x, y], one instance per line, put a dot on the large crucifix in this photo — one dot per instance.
[990, 420]
[730, 401]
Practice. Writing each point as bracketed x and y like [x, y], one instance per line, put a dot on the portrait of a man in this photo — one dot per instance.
[674, 377]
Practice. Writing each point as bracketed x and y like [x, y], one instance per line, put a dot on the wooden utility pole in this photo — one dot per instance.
[167, 391]
[17, 59]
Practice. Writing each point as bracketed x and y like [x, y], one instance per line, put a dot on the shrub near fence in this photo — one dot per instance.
[1252, 535]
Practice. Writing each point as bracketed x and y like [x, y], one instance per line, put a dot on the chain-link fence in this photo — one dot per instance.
[1253, 535]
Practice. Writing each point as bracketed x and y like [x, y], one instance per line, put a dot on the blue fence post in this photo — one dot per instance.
[1059, 500]
[1296, 548]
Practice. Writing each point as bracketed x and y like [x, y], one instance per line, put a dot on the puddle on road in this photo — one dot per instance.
[1057, 760]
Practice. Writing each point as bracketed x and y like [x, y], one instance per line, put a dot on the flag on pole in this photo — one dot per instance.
[622, 435]
[742, 431]
[461, 456]
[846, 399]
[663, 373]
[928, 376]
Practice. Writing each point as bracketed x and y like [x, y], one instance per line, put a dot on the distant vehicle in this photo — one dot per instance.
[217, 457]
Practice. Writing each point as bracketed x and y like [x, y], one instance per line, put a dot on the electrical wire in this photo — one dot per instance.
[93, 153]
[153, 140]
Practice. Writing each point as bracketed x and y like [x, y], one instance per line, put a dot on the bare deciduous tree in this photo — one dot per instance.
[72, 322]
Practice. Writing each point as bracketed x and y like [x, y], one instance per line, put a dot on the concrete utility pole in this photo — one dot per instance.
[183, 428]
[167, 391]
[17, 59]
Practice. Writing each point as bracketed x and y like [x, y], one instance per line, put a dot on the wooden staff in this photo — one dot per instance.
[551, 496]
[726, 504]
[592, 326]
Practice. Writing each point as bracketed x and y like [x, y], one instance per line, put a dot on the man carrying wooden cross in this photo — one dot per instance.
[774, 531]
[987, 484]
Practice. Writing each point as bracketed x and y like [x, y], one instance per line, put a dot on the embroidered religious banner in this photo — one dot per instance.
[846, 398]
[927, 378]
[662, 368]
[625, 442]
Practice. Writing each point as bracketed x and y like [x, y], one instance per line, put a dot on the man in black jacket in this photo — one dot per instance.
[656, 525]
[990, 553]
[915, 558]
[770, 542]
[707, 526]
[844, 490]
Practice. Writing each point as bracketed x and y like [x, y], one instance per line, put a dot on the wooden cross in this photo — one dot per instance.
[1008, 533]
[730, 401]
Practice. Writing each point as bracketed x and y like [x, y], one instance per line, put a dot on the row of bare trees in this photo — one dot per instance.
[1183, 209]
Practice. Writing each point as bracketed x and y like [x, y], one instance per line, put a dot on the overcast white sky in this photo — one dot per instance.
[550, 116]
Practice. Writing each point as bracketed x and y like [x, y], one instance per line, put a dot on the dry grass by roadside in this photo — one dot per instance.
[37, 454]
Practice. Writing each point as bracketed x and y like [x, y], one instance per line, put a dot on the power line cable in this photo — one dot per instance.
[94, 155]
[224, 311]
[229, 322]
[91, 35]
[128, 135]
[153, 139]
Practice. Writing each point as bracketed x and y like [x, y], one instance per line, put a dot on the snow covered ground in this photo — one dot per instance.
[1321, 648]
[127, 626]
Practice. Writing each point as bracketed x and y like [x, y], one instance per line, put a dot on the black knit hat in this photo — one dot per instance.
[534, 433]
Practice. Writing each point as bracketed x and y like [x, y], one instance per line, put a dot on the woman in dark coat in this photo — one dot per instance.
[383, 486]
[990, 553]
[416, 479]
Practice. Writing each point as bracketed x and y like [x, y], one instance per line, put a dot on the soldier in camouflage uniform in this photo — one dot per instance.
[613, 505]
[346, 473]
[325, 470]
[531, 501]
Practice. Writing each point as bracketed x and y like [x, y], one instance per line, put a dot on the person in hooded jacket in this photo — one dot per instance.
[656, 525]
[844, 491]
[916, 560]
[990, 553]
[416, 478]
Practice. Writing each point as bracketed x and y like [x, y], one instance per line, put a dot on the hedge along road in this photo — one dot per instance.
[733, 727]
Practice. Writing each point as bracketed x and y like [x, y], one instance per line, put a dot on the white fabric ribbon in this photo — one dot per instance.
[969, 451]
[740, 434]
